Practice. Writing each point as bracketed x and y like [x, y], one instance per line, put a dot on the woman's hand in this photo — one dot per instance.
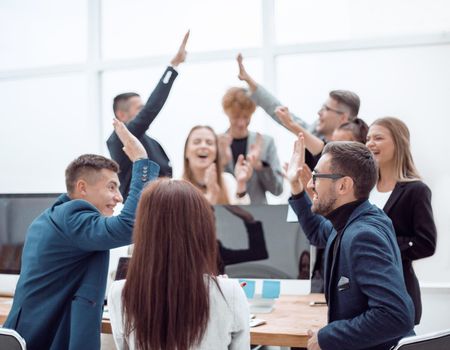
[212, 187]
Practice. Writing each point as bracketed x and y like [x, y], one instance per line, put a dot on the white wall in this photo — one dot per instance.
[59, 72]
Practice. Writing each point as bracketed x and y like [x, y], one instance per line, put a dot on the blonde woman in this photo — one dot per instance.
[403, 197]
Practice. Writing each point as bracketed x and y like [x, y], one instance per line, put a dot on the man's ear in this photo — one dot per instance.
[345, 118]
[346, 185]
[81, 188]
[120, 115]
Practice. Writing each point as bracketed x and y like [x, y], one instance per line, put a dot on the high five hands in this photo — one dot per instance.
[294, 169]
[131, 145]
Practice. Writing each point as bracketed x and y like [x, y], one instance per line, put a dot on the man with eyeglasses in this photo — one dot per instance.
[340, 107]
[368, 305]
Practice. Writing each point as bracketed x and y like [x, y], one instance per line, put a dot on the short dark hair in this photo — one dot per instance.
[358, 128]
[120, 100]
[355, 160]
[349, 99]
[87, 165]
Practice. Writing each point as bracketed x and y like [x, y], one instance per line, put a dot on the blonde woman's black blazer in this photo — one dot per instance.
[409, 208]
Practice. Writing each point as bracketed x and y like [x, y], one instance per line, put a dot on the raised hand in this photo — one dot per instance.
[224, 141]
[283, 114]
[243, 75]
[180, 56]
[305, 177]
[296, 164]
[212, 187]
[254, 155]
[131, 145]
[243, 171]
[286, 119]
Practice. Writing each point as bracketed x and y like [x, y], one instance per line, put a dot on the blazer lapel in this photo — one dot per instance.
[250, 140]
[328, 262]
[395, 195]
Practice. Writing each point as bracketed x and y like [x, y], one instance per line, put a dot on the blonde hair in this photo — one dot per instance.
[236, 98]
[405, 170]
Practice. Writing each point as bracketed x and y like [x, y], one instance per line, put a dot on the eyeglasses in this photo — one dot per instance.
[326, 108]
[325, 176]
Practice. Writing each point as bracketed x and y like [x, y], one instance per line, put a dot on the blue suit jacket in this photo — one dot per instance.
[368, 305]
[59, 297]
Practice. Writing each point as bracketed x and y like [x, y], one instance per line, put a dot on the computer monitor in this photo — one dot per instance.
[17, 211]
[260, 243]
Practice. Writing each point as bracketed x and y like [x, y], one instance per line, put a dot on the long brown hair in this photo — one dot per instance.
[187, 171]
[166, 294]
[405, 169]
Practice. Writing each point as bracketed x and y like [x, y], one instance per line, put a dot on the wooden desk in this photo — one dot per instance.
[287, 324]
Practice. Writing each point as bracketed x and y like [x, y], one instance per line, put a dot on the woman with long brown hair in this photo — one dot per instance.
[202, 168]
[171, 298]
[403, 197]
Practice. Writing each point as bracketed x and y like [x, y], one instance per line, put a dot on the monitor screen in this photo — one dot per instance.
[257, 241]
[17, 211]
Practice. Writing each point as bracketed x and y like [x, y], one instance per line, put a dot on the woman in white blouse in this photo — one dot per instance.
[171, 298]
[202, 168]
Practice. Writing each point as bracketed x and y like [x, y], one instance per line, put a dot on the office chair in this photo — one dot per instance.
[432, 341]
[11, 340]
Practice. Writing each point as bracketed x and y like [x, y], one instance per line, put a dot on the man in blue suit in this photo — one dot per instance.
[59, 297]
[368, 305]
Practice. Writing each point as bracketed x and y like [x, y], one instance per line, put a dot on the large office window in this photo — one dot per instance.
[42, 33]
[139, 28]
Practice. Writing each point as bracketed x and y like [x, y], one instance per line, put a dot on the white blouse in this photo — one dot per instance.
[228, 325]
[379, 198]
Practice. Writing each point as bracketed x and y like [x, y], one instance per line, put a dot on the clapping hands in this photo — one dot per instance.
[212, 187]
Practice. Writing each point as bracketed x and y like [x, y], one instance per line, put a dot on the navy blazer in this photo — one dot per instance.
[368, 305]
[409, 208]
[59, 298]
[138, 127]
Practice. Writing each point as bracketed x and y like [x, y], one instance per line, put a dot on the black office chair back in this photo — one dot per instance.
[433, 341]
[11, 340]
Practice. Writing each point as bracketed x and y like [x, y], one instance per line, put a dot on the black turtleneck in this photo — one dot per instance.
[339, 218]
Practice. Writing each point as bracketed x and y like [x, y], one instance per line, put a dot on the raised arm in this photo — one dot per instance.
[92, 231]
[264, 98]
[312, 143]
[139, 125]
[316, 227]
